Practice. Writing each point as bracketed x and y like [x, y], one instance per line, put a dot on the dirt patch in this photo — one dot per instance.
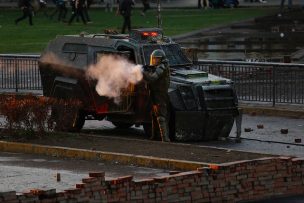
[145, 147]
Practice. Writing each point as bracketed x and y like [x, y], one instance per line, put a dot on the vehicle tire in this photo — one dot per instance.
[148, 129]
[227, 127]
[122, 125]
[172, 126]
[67, 124]
[78, 122]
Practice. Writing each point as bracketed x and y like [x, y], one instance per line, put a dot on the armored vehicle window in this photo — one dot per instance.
[124, 54]
[173, 52]
[76, 48]
[130, 51]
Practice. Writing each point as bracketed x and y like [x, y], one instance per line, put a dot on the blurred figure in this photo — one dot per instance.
[85, 8]
[109, 5]
[217, 3]
[27, 9]
[282, 5]
[146, 5]
[261, 1]
[56, 9]
[77, 10]
[125, 9]
[202, 3]
[231, 3]
[43, 7]
[62, 9]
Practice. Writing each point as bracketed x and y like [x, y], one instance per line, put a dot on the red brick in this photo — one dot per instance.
[73, 191]
[89, 180]
[96, 174]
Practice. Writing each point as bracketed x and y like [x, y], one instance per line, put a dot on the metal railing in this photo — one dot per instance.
[263, 82]
[19, 72]
[254, 81]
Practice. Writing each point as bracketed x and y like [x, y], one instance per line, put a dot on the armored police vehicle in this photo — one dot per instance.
[202, 106]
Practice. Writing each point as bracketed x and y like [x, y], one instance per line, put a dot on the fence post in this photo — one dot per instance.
[273, 85]
[16, 74]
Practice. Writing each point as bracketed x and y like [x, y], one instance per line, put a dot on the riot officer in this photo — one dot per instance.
[159, 79]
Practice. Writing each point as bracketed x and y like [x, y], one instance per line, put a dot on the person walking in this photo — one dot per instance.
[125, 9]
[109, 5]
[27, 10]
[146, 5]
[85, 9]
[77, 10]
[62, 10]
[282, 5]
[159, 80]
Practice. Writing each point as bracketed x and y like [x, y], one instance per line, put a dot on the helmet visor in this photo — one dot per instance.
[154, 61]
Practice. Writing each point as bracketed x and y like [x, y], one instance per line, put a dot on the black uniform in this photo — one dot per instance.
[77, 10]
[159, 81]
[146, 5]
[125, 9]
[62, 9]
[27, 9]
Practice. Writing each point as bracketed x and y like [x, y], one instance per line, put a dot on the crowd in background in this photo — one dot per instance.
[79, 9]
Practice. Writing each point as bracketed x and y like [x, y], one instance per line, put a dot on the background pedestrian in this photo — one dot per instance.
[77, 10]
[125, 9]
[146, 5]
[109, 5]
[282, 5]
[27, 10]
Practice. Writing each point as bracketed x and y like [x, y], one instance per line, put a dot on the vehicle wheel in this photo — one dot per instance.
[66, 123]
[172, 126]
[227, 126]
[122, 125]
[78, 122]
[148, 129]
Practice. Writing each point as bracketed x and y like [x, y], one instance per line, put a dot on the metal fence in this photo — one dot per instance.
[263, 82]
[19, 73]
[254, 81]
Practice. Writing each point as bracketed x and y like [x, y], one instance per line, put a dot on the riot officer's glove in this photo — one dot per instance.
[147, 68]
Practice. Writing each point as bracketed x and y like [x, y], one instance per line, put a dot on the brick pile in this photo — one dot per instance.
[229, 182]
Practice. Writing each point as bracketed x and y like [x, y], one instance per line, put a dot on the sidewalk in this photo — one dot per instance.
[279, 110]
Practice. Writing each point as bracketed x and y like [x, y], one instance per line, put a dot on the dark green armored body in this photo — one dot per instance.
[202, 106]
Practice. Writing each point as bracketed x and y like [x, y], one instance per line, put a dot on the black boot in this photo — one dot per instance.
[164, 129]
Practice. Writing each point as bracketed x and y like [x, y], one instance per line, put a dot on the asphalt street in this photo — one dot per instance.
[21, 172]
[268, 140]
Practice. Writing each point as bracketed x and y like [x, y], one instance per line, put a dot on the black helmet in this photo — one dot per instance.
[157, 57]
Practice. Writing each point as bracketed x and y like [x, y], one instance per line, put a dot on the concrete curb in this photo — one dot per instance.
[128, 159]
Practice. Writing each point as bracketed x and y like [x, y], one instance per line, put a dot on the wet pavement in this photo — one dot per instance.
[21, 172]
[268, 140]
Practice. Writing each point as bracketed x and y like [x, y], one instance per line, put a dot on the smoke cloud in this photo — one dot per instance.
[113, 74]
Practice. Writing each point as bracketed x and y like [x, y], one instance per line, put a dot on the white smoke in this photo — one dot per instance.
[113, 74]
